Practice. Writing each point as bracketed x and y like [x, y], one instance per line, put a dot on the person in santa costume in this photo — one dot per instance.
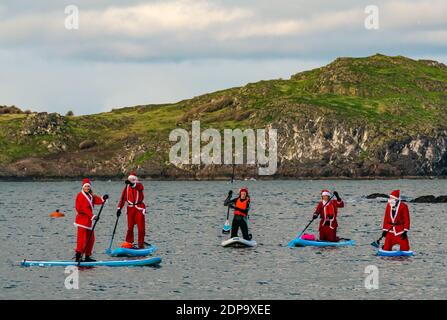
[133, 196]
[85, 203]
[396, 223]
[327, 210]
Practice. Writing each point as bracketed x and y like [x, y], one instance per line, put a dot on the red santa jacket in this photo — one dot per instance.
[134, 197]
[400, 222]
[329, 213]
[85, 203]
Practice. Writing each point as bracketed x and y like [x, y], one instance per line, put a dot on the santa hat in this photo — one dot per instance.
[86, 182]
[325, 193]
[395, 194]
[244, 189]
[132, 176]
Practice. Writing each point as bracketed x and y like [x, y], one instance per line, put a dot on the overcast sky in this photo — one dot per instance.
[139, 52]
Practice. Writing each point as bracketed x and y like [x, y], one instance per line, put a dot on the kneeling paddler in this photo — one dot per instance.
[241, 206]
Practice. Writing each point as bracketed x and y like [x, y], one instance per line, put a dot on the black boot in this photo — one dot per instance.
[89, 259]
[78, 256]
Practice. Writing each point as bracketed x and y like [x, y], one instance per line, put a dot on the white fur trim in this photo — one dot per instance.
[131, 177]
[396, 233]
[326, 194]
[90, 201]
[143, 210]
[82, 226]
[325, 216]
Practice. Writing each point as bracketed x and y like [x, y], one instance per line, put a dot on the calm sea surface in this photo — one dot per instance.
[185, 220]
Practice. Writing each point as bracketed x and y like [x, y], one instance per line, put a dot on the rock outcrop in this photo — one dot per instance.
[377, 195]
[430, 199]
[43, 123]
[11, 110]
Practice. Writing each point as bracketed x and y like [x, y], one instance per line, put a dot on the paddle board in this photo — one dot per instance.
[126, 252]
[298, 242]
[238, 242]
[396, 253]
[107, 263]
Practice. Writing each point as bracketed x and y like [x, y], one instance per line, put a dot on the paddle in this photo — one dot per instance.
[310, 222]
[226, 228]
[109, 249]
[376, 244]
[91, 233]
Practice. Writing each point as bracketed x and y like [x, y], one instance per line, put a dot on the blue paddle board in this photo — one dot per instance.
[396, 253]
[126, 252]
[298, 242]
[111, 263]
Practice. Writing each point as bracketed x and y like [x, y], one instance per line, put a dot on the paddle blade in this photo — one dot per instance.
[375, 244]
[226, 227]
[291, 244]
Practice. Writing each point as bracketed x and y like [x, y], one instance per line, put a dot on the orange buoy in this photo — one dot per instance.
[127, 245]
[57, 214]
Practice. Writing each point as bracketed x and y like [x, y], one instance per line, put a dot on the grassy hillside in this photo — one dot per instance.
[378, 91]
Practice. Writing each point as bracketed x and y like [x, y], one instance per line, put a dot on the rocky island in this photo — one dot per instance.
[373, 117]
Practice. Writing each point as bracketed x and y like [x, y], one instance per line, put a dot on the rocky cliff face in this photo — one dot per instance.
[322, 147]
[366, 117]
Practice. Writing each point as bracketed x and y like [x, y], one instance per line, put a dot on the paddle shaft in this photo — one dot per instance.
[228, 213]
[116, 222]
[228, 209]
[232, 179]
[310, 222]
[113, 235]
[91, 233]
[381, 237]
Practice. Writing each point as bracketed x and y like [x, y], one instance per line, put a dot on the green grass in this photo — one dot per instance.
[385, 92]
[146, 156]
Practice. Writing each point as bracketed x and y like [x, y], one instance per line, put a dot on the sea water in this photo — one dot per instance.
[185, 219]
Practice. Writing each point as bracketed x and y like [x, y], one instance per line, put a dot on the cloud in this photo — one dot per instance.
[427, 37]
[410, 15]
[94, 87]
[186, 29]
[178, 16]
[137, 52]
[298, 27]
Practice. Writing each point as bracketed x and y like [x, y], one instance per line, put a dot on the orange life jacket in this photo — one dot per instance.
[241, 204]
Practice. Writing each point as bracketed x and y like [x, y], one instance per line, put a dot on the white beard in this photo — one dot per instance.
[392, 203]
